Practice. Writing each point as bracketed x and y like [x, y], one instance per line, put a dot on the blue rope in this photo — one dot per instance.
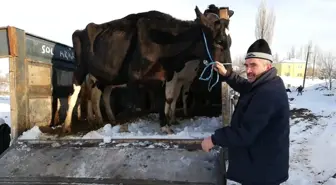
[212, 62]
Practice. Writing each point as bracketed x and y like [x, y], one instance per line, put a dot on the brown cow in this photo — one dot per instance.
[184, 78]
[144, 46]
[181, 79]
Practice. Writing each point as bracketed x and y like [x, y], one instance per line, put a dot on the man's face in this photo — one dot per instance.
[255, 67]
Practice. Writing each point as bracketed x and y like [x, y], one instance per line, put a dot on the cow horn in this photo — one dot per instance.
[197, 11]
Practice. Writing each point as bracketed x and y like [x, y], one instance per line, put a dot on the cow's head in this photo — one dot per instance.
[216, 21]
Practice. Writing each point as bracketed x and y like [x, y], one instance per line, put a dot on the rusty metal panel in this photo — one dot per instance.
[31, 76]
[39, 93]
[39, 111]
[44, 50]
[39, 74]
[12, 41]
[4, 50]
[18, 87]
[13, 99]
[226, 104]
[226, 110]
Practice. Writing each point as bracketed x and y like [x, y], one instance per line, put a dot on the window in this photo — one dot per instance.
[299, 74]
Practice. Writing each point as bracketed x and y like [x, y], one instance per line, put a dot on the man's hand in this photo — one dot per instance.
[219, 67]
[207, 144]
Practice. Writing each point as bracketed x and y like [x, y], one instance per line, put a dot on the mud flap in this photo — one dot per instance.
[119, 162]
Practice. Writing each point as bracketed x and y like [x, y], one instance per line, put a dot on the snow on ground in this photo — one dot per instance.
[313, 133]
[313, 142]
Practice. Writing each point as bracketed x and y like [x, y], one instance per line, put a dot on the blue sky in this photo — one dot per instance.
[297, 21]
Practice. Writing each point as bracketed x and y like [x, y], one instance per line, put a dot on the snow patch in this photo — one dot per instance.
[33, 133]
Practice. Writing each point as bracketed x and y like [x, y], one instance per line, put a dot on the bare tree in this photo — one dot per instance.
[315, 56]
[239, 63]
[265, 22]
[276, 58]
[291, 53]
[328, 68]
[4, 84]
[239, 60]
[299, 53]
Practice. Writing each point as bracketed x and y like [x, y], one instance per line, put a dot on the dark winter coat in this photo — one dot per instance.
[258, 138]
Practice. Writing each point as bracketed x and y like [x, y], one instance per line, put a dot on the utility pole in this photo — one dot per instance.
[305, 72]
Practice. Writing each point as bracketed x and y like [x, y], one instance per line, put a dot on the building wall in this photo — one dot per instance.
[290, 68]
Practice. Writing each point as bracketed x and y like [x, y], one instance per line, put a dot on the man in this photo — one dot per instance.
[299, 90]
[258, 138]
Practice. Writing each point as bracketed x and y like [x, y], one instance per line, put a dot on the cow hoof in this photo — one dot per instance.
[114, 123]
[66, 129]
[167, 130]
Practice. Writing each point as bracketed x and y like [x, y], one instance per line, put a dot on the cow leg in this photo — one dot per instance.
[89, 110]
[106, 100]
[54, 113]
[177, 90]
[72, 103]
[82, 103]
[152, 105]
[169, 97]
[88, 85]
[160, 102]
[189, 73]
[79, 113]
[64, 106]
[185, 93]
[95, 98]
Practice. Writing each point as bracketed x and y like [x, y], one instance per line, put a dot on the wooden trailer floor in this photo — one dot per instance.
[119, 162]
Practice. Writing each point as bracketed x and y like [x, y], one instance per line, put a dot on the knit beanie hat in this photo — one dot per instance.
[260, 49]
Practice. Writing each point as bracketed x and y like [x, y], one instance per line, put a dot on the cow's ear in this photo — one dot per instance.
[231, 12]
[202, 19]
